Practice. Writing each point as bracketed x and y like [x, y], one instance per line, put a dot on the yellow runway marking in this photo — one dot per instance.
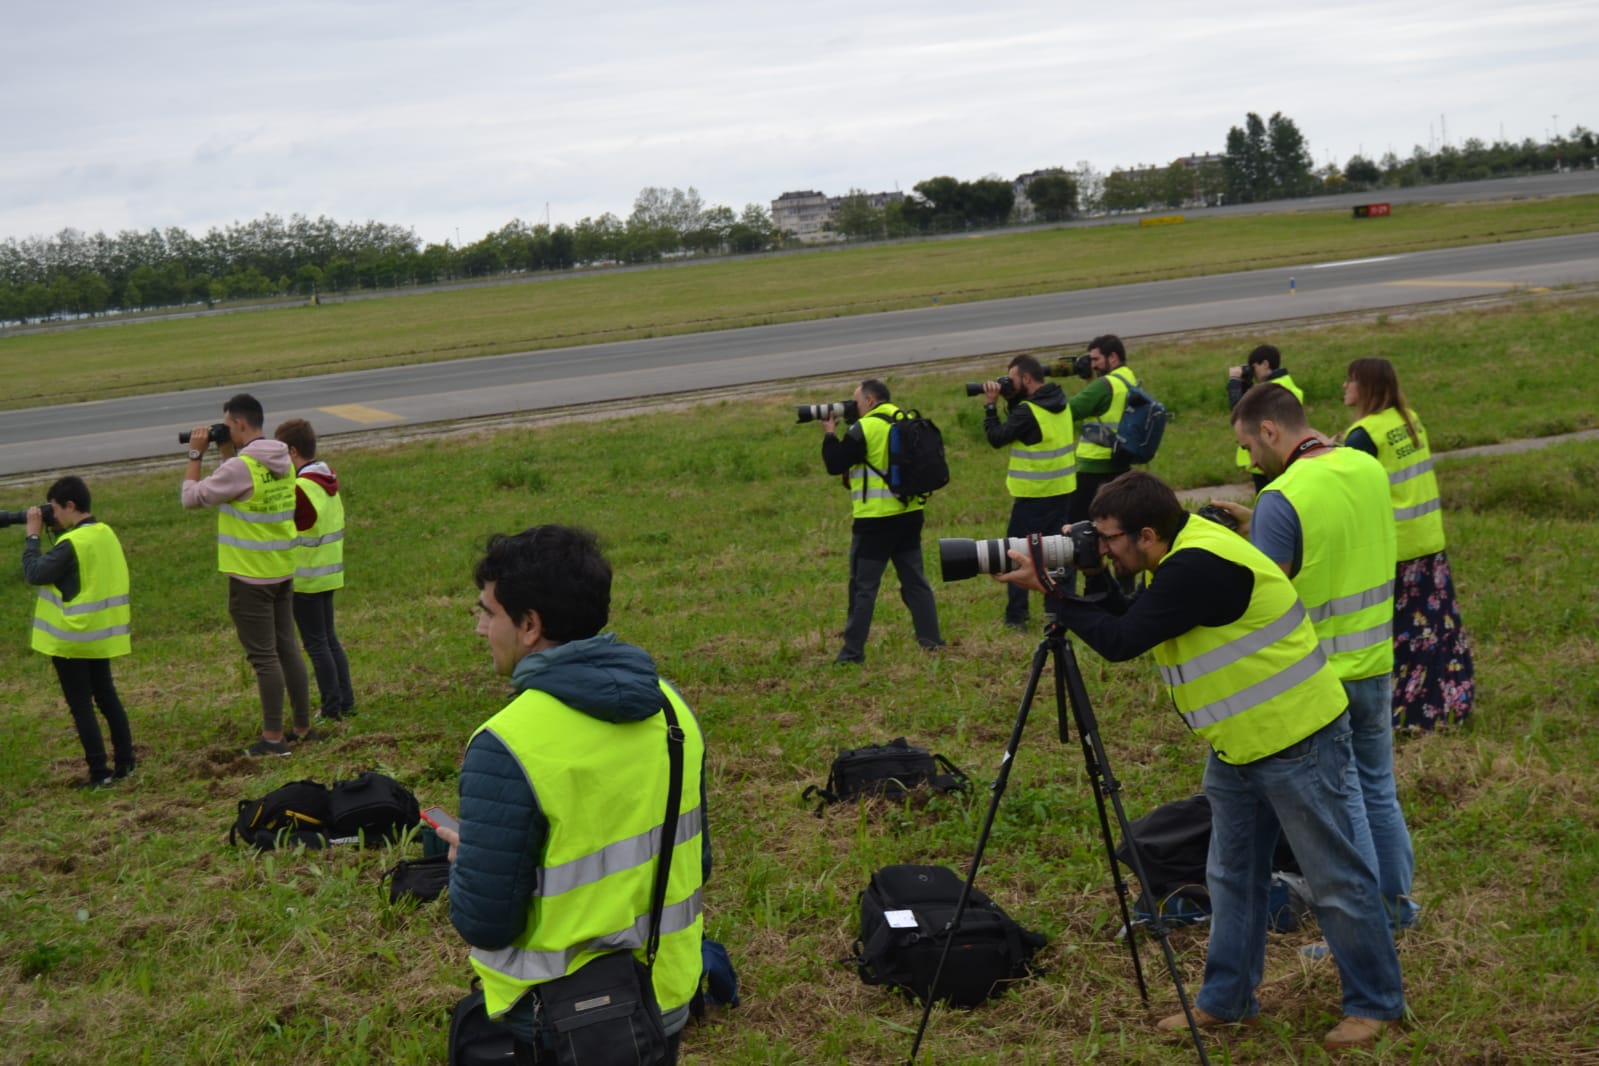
[359, 413]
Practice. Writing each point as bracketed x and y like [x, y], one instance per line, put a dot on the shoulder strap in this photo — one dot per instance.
[674, 798]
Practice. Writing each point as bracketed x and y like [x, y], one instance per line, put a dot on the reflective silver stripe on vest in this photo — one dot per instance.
[1405, 514]
[1234, 650]
[1400, 476]
[257, 516]
[1050, 453]
[1258, 693]
[320, 571]
[881, 492]
[1381, 633]
[520, 964]
[1041, 475]
[614, 857]
[1353, 603]
[256, 545]
[82, 638]
[50, 596]
[317, 542]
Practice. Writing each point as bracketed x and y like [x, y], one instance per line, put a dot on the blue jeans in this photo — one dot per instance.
[1310, 793]
[1371, 719]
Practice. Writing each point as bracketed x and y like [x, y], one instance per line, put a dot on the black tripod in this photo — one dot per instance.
[1069, 681]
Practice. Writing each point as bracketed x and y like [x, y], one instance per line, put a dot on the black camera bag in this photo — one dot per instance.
[296, 813]
[373, 808]
[890, 770]
[421, 879]
[904, 914]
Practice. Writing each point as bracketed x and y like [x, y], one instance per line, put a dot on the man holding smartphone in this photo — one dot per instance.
[563, 793]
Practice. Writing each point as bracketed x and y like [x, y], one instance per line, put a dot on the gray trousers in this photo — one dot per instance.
[868, 559]
[263, 615]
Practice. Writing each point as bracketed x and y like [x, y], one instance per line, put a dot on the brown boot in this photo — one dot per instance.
[1178, 1023]
[1357, 1032]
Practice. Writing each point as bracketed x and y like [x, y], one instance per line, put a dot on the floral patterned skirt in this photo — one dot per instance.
[1433, 679]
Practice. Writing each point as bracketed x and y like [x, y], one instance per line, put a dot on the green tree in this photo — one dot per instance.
[1289, 162]
[856, 219]
[1362, 172]
[1053, 196]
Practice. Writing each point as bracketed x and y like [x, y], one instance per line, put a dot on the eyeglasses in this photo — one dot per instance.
[1106, 538]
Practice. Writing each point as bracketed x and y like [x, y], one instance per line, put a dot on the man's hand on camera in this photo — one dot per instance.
[1239, 512]
[35, 522]
[1023, 576]
[829, 424]
[991, 392]
[199, 437]
[1235, 372]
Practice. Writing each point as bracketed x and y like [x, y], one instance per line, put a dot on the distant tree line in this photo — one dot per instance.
[75, 274]
[72, 274]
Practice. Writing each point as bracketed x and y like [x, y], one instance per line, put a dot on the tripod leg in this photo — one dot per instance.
[1040, 656]
[1106, 785]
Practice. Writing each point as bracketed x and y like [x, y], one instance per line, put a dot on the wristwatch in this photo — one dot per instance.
[194, 453]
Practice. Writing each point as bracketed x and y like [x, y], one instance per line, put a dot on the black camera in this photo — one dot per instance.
[1246, 375]
[17, 518]
[1006, 387]
[218, 435]
[1217, 515]
[848, 410]
[1081, 367]
[959, 558]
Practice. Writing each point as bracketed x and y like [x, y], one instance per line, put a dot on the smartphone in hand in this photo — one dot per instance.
[439, 818]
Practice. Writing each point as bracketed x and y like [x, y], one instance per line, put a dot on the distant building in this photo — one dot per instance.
[802, 215]
[808, 216]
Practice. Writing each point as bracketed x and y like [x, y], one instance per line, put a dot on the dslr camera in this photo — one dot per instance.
[17, 518]
[218, 434]
[848, 410]
[960, 558]
[1080, 367]
[1247, 375]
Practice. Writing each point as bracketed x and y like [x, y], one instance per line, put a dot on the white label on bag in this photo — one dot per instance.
[900, 919]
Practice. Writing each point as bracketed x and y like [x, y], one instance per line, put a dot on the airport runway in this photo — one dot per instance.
[79, 435]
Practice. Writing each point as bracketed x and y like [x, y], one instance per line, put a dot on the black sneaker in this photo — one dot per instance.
[263, 746]
[330, 715]
[99, 780]
[123, 770]
[310, 734]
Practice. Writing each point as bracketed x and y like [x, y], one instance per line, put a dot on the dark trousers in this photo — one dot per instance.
[313, 614]
[263, 615]
[86, 683]
[869, 557]
[1031, 514]
[1087, 485]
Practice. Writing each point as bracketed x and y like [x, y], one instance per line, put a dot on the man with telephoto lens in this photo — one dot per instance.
[253, 493]
[1246, 671]
[1265, 364]
[1102, 400]
[886, 528]
[82, 620]
[1042, 472]
[1327, 520]
[564, 793]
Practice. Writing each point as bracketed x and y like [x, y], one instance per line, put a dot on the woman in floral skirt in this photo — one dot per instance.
[1433, 679]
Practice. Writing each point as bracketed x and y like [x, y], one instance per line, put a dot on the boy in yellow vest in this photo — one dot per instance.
[81, 620]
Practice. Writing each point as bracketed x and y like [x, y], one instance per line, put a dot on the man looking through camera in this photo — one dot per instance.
[1326, 520]
[82, 620]
[253, 493]
[1241, 659]
[1265, 363]
[1042, 472]
[886, 529]
[563, 793]
[1103, 400]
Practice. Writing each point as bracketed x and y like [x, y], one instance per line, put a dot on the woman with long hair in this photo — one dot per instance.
[1433, 679]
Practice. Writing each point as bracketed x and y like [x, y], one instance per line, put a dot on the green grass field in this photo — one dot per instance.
[152, 355]
[130, 931]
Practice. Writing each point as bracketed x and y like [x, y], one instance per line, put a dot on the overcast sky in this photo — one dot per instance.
[454, 118]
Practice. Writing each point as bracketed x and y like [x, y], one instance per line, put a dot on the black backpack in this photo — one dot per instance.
[916, 464]
[904, 911]
[371, 808]
[890, 770]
